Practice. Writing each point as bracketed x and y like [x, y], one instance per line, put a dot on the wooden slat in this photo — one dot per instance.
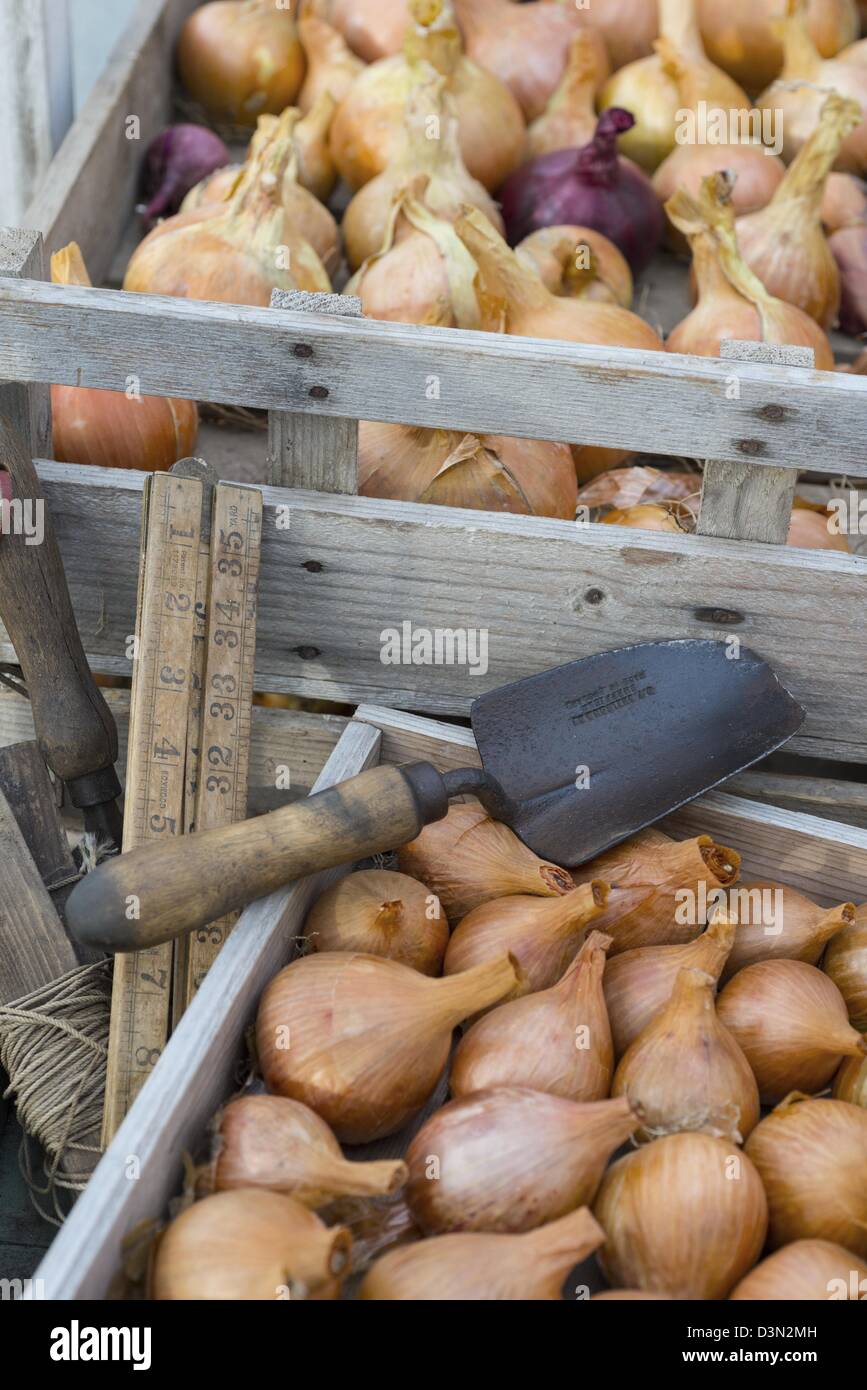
[318, 452]
[347, 568]
[194, 1075]
[364, 369]
[34, 948]
[92, 182]
[26, 407]
[829, 798]
[739, 500]
[32, 798]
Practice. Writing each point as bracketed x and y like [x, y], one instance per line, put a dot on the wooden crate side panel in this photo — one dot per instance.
[142, 1167]
[346, 570]
[362, 369]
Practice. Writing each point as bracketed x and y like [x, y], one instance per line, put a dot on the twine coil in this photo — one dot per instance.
[54, 1049]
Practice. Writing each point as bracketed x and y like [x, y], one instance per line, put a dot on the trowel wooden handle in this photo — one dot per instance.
[159, 891]
[74, 726]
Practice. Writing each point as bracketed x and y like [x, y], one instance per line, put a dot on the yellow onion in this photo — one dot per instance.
[784, 243]
[527, 46]
[240, 58]
[758, 173]
[652, 516]
[214, 189]
[273, 1143]
[686, 1072]
[685, 1216]
[656, 899]
[651, 88]
[812, 1270]
[491, 473]
[429, 146]
[627, 26]
[383, 914]
[113, 429]
[241, 252]
[475, 1267]
[316, 168]
[804, 82]
[846, 964]
[638, 983]
[468, 859]
[776, 922]
[372, 28]
[850, 1083]
[810, 528]
[332, 67]
[569, 119]
[578, 262]
[557, 1040]
[732, 301]
[844, 202]
[542, 934]
[742, 36]
[249, 1244]
[626, 487]
[791, 1022]
[369, 121]
[812, 1157]
[510, 1159]
[363, 1040]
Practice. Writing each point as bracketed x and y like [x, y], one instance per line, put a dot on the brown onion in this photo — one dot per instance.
[383, 914]
[812, 1157]
[846, 964]
[510, 1159]
[628, 1295]
[757, 170]
[627, 26]
[556, 1040]
[474, 1267]
[850, 1083]
[570, 115]
[491, 473]
[742, 35]
[811, 528]
[844, 202]
[791, 1022]
[793, 928]
[113, 429]
[578, 262]
[372, 28]
[363, 1040]
[685, 1216]
[652, 516]
[280, 1145]
[240, 58]
[332, 67]
[807, 1269]
[468, 859]
[249, 1244]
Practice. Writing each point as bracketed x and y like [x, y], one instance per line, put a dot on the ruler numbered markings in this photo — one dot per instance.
[189, 735]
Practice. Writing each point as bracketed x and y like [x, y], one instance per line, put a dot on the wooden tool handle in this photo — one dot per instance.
[159, 891]
[74, 726]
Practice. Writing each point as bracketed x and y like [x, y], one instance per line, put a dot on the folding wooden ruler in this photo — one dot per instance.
[189, 734]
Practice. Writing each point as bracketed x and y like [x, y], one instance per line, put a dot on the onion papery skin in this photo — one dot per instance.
[372, 28]
[686, 1072]
[175, 161]
[331, 65]
[652, 516]
[280, 1145]
[467, 859]
[638, 983]
[628, 28]
[791, 1022]
[556, 254]
[240, 58]
[249, 1244]
[811, 1156]
[844, 202]
[368, 123]
[815, 1270]
[684, 1216]
[381, 913]
[489, 473]
[593, 187]
[569, 119]
[363, 1040]
[510, 1159]
[850, 1083]
[809, 528]
[845, 962]
[478, 1267]
[542, 934]
[849, 249]
[556, 1040]
[740, 36]
[759, 172]
[215, 189]
[796, 928]
[527, 47]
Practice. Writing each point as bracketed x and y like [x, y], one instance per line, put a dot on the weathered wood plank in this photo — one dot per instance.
[318, 452]
[92, 182]
[32, 798]
[34, 948]
[26, 407]
[348, 568]
[740, 500]
[829, 798]
[434, 376]
[193, 1076]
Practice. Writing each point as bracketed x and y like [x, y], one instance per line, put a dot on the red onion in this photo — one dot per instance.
[175, 161]
[592, 187]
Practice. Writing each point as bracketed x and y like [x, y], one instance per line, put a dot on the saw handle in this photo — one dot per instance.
[159, 891]
[74, 726]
